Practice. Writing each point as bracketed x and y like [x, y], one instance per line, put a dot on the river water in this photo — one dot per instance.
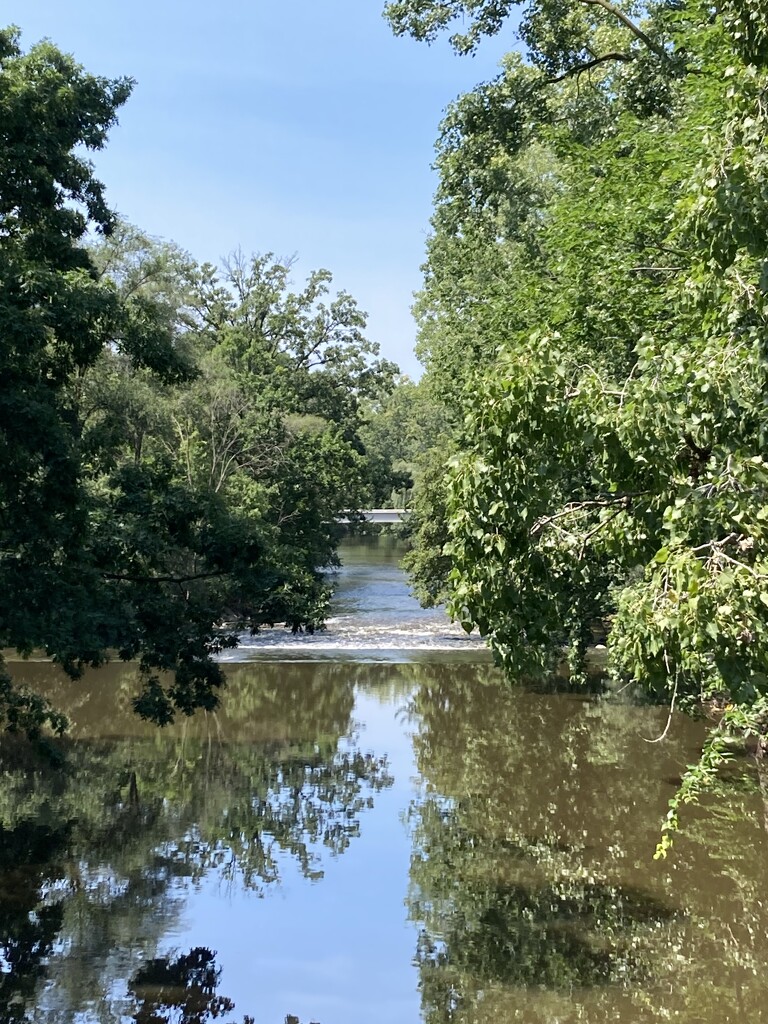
[374, 827]
[374, 618]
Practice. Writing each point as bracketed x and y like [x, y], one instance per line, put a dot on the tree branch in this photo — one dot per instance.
[714, 545]
[128, 578]
[665, 733]
[656, 270]
[702, 454]
[573, 507]
[579, 68]
[600, 526]
[636, 31]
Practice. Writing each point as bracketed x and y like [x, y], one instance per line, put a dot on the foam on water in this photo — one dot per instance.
[373, 615]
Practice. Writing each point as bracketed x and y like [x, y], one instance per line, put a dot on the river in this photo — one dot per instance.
[374, 827]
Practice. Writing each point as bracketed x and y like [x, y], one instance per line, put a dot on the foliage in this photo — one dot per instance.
[55, 317]
[398, 433]
[176, 441]
[598, 252]
[427, 564]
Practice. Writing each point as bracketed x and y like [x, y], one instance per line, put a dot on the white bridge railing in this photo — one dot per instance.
[379, 515]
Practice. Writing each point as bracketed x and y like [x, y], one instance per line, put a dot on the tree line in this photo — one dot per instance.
[178, 438]
[594, 317]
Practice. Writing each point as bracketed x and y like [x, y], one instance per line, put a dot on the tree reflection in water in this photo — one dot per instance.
[182, 990]
[532, 877]
[92, 853]
[28, 926]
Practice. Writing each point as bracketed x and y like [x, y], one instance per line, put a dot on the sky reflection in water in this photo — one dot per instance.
[363, 842]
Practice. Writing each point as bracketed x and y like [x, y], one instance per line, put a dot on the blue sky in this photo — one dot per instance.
[299, 127]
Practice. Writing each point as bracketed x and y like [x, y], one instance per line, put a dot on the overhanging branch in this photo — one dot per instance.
[588, 65]
[636, 31]
[623, 501]
[128, 578]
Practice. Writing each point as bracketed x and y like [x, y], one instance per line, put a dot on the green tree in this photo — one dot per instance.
[56, 318]
[611, 469]
[398, 432]
[176, 443]
[292, 374]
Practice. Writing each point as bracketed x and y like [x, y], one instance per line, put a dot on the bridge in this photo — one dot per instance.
[379, 515]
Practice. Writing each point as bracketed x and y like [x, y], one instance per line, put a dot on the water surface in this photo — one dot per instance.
[374, 617]
[395, 839]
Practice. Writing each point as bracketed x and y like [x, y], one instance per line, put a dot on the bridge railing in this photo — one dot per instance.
[379, 515]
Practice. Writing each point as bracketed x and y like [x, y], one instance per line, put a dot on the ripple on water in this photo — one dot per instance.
[373, 616]
[347, 635]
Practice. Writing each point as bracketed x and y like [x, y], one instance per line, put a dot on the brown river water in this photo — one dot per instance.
[374, 827]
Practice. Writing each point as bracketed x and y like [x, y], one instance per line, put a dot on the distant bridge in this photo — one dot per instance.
[379, 515]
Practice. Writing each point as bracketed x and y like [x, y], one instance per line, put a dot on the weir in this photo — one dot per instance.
[379, 515]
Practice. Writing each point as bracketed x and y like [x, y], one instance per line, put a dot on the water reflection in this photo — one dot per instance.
[182, 989]
[28, 926]
[523, 853]
[98, 852]
[532, 881]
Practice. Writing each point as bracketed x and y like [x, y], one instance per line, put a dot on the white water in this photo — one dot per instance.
[373, 617]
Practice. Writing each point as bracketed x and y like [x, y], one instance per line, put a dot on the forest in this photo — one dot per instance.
[179, 438]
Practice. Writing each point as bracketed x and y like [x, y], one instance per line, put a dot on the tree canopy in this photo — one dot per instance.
[594, 306]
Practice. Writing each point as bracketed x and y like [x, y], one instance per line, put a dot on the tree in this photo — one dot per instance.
[56, 318]
[300, 361]
[398, 431]
[176, 445]
[611, 472]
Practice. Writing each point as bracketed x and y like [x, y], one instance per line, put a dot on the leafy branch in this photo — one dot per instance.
[579, 69]
[627, 22]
